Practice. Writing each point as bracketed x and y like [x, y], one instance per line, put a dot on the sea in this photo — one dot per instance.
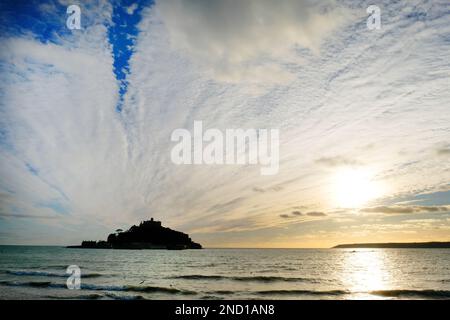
[40, 272]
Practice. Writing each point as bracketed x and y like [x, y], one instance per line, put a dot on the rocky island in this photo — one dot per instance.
[147, 235]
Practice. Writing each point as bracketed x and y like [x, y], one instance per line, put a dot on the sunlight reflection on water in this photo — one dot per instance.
[370, 272]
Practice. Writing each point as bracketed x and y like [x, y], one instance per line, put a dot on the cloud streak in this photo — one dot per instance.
[405, 209]
[245, 40]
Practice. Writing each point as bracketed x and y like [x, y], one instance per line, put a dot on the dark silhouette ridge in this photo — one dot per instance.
[406, 245]
[148, 235]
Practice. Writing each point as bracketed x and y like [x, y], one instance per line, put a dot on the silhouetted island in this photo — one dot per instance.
[407, 245]
[148, 235]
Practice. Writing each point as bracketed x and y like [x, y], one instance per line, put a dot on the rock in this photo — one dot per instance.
[148, 235]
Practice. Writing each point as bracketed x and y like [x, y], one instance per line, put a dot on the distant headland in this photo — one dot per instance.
[407, 245]
[148, 235]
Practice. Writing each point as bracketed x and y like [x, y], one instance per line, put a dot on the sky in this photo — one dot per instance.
[86, 118]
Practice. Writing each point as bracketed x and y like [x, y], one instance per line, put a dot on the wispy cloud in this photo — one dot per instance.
[337, 161]
[406, 209]
[443, 151]
[299, 214]
[316, 214]
[249, 40]
[27, 216]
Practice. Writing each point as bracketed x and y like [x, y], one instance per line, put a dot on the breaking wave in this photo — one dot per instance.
[145, 289]
[431, 294]
[303, 292]
[245, 278]
[49, 274]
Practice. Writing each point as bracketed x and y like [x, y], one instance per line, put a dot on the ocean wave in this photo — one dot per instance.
[272, 279]
[92, 287]
[123, 297]
[97, 296]
[39, 284]
[245, 278]
[153, 289]
[94, 296]
[211, 298]
[302, 292]
[431, 294]
[198, 277]
[55, 266]
[221, 292]
[49, 274]
[144, 289]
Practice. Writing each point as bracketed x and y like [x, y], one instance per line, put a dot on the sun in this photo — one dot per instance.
[355, 187]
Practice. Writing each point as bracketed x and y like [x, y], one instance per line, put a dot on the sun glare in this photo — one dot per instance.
[365, 271]
[353, 188]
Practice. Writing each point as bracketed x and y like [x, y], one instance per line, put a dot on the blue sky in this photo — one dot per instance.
[20, 18]
[86, 119]
[122, 35]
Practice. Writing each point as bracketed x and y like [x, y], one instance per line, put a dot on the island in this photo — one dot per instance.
[147, 235]
[404, 245]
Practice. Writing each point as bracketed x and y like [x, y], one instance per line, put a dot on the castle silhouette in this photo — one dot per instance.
[148, 234]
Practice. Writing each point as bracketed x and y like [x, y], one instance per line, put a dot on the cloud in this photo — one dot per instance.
[338, 104]
[298, 214]
[300, 207]
[62, 141]
[241, 40]
[432, 208]
[316, 214]
[387, 209]
[26, 216]
[443, 151]
[227, 206]
[59, 128]
[337, 161]
[405, 209]
[132, 8]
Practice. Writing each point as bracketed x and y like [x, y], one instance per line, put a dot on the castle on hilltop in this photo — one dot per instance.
[148, 234]
[150, 223]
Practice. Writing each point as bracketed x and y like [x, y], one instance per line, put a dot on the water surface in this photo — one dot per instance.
[30, 272]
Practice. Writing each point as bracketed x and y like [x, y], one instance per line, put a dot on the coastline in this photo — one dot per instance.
[396, 245]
